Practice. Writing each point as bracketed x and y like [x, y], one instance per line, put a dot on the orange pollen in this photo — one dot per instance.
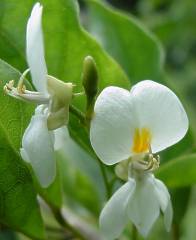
[141, 140]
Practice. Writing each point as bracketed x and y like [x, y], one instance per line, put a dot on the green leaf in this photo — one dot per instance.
[70, 44]
[179, 172]
[18, 205]
[6, 234]
[180, 199]
[186, 145]
[11, 37]
[127, 40]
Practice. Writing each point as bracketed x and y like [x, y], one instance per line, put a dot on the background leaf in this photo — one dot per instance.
[179, 172]
[127, 40]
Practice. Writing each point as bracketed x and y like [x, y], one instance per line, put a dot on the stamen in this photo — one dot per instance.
[21, 87]
[21, 93]
[8, 86]
[146, 162]
[153, 163]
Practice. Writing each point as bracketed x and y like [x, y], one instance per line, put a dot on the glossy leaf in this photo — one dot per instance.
[18, 204]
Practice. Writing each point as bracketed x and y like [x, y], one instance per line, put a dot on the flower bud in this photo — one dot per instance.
[90, 83]
[90, 78]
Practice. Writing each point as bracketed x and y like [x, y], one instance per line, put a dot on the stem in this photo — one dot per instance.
[175, 231]
[89, 111]
[54, 229]
[105, 179]
[134, 233]
[60, 219]
[80, 115]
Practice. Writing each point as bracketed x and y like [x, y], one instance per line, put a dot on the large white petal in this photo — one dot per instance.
[38, 149]
[160, 110]
[35, 49]
[113, 125]
[165, 203]
[143, 207]
[113, 217]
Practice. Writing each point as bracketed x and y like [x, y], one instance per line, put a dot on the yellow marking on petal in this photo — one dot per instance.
[141, 140]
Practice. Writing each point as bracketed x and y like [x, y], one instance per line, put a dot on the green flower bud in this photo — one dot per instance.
[90, 83]
[90, 77]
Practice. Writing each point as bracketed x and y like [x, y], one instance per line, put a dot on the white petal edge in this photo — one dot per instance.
[113, 125]
[113, 217]
[165, 203]
[38, 149]
[144, 208]
[168, 216]
[35, 49]
[160, 110]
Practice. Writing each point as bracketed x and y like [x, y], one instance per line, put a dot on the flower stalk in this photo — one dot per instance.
[61, 220]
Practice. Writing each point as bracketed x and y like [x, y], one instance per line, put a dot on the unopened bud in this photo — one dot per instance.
[90, 77]
[90, 83]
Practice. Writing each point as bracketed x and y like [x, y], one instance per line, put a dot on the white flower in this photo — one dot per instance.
[138, 201]
[132, 126]
[53, 99]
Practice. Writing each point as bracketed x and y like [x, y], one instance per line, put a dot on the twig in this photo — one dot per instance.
[75, 111]
[81, 116]
[60, 219]
[175, 231]
[86, 229]
[105, 179]
[134, 233]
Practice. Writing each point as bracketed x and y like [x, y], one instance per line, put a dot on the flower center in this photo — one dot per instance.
[141, 140]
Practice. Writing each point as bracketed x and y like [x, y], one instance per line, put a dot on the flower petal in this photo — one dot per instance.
[165, 203]
[162, 194]
[168, 216]
[35, 49]
[160, 110]
[38, 149]
[113, 217]
[143, 207]
[61, 135]
[113, 125]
